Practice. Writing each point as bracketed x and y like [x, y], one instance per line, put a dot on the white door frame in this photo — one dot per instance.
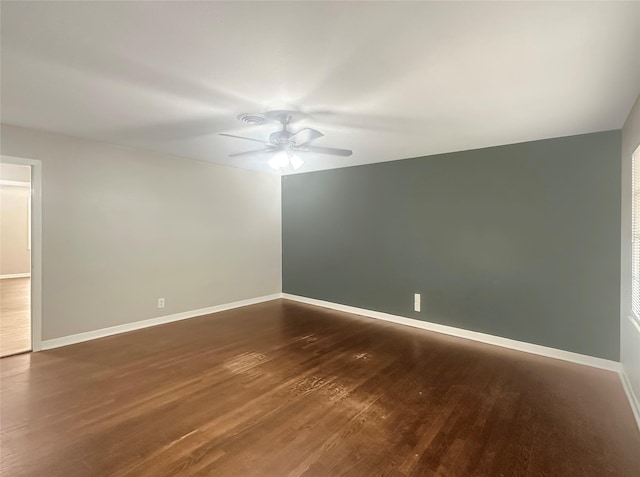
[36, 245]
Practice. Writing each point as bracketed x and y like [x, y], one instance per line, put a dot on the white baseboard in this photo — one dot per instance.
[137, 325]
[633, 399]
[15, 275]
[471, 335]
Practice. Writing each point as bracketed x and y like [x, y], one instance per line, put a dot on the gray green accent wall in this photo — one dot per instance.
[520, 241]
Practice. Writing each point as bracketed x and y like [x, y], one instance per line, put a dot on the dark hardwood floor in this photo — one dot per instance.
[286, 389]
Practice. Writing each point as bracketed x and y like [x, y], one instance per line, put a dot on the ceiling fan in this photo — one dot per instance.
[285, 144]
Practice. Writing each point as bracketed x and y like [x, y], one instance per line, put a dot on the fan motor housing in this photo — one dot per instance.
[280, 137]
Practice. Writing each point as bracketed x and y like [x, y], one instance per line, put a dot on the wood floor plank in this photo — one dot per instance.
[287, 389]
[15, 316]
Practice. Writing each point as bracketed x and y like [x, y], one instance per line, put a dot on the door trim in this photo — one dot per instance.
[36, 245]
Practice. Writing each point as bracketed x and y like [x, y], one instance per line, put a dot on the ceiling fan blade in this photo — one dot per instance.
[245, 138]
[326, 150]
[305, 136]
[255, 151]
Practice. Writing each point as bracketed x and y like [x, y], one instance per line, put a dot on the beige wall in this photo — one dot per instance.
[629, 329]
[14, 221]
[123, 227]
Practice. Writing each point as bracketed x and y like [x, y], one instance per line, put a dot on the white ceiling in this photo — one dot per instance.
[387, 80]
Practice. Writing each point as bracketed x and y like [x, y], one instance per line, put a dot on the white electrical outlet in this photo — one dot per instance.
[160, 302]
[416, 301]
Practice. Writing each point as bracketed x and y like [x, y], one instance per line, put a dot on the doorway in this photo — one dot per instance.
[19, 256]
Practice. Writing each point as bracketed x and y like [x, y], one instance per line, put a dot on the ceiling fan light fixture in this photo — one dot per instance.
[296, 161]
[280, 160]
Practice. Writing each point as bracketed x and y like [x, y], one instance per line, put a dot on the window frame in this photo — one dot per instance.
[635, 234]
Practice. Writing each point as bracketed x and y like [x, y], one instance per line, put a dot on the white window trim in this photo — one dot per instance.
[635, 235]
